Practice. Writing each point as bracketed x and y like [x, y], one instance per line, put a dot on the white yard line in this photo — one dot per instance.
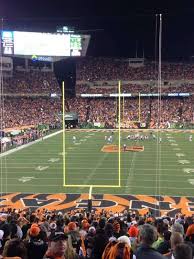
[104, 179]
[28, 144]
[102, 173]
[131, 173]
[131, 186]
[103, 168]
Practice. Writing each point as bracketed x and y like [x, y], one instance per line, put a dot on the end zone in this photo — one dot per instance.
[115, 149]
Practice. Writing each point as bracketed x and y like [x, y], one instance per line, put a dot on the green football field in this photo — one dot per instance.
[166, 168]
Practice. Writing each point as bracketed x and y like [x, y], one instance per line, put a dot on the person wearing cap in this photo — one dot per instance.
[57, 246]
[36, 244]
[60, 247]
[133, 234]
[75, 236]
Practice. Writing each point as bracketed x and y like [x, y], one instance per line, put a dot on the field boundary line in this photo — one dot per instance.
[105, 186]
[132, 130]
[6, 153]
[101, 193]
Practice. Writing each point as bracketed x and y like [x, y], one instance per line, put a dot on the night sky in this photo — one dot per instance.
[117, 29]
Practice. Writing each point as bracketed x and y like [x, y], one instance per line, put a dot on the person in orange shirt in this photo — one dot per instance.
[190, 232]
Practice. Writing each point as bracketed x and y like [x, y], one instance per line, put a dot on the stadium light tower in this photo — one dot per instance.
[65, 29]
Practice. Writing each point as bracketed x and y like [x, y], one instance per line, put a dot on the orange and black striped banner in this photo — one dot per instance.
[157, 205]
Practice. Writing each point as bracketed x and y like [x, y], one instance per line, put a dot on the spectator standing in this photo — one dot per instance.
[147, 235]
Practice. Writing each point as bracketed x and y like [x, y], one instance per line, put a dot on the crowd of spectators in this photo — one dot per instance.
[80, 106]
[31, 82]
[25, 111]
[105, 110]
[94, 235]
[97, 69]
[44, 110]
[30, 111]
[134, 89]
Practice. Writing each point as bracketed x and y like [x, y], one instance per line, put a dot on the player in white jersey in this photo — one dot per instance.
[154, 136]
[190, 138]
[109, 139]
[124, 147]
[74, 139]
[160, 140]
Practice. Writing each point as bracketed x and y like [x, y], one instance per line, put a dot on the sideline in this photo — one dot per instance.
[29, 144]
[133, 130]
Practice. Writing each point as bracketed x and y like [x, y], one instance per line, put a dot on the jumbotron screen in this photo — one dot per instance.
[41, 43]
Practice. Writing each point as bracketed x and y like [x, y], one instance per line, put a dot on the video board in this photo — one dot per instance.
[20, 43]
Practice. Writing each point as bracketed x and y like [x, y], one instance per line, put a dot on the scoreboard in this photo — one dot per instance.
[20, 43]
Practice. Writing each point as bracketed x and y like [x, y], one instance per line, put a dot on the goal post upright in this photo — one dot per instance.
[139, 110]
[63, 120]
[119, 124]
[123, 109]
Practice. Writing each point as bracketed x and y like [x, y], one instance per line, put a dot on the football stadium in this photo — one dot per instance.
[96, 152]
